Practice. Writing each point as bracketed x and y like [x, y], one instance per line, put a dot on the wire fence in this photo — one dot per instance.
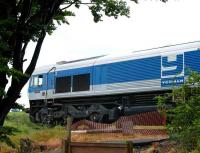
[146, 124]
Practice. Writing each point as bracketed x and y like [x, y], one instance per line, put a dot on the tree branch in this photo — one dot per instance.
[33, 62]
[16, 86]
[53, 11]
[24, 49]
[3, 83]
[25, 12]
[18, 4]
[69, 5]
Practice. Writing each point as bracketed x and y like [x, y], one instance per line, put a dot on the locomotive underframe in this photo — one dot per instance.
[97, 108]
[105, 108]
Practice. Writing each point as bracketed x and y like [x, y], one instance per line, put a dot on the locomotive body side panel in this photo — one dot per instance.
[192, 61]
[109, 86]
[138, 75]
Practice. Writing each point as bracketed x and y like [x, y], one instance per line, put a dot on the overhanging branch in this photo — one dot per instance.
[24, 49]
[69, 4]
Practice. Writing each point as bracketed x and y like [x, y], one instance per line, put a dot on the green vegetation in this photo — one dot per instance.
[5, 132]
[20, 120]
[184, 119]
[24, 128]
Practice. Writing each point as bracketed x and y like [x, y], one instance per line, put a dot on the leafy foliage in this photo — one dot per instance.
[5, 132]
[19, 106]
[109, 7]
[185, 116]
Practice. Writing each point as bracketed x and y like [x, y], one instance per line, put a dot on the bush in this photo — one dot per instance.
[20, 121]
[5, 132]
[184, 122]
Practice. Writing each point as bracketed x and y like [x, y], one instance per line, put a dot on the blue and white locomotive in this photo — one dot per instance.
[103, 88]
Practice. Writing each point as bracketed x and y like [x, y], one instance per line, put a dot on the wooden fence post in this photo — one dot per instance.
[130, 146]
[69, 124]
[65, 146]
[66, 142]
[26, 146]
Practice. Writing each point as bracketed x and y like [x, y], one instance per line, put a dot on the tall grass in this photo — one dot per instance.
[21, 121]
[35, 132]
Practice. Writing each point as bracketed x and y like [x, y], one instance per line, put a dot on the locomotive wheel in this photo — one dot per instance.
[96, 117]
[47, 120]
[32, 119]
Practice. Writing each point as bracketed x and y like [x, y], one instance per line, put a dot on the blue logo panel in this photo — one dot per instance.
[172, 70]
[176, 65]
[168, 82]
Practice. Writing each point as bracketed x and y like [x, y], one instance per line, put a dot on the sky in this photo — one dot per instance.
[151, 24]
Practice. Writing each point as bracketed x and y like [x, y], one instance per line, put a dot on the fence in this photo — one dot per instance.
[89, 137]
[149, 123]
[78, 147]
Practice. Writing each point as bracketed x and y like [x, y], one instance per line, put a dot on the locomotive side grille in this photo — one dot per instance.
[136, 85]
[145, 100]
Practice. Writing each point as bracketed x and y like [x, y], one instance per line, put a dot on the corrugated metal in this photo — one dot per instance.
[134, 70]
[192, 61]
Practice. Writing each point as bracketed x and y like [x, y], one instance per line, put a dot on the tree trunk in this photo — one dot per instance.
[9, 100]
[18, 42]
[5, 107]
[14, 91]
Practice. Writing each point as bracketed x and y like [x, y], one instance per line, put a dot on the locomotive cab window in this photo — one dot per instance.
[40, 80]
[63, 84]
[81, 82]
[37, 81]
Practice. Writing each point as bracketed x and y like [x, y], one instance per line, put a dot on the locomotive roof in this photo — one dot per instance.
[103, 59]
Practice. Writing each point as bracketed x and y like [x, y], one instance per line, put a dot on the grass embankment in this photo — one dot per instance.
[27, 129]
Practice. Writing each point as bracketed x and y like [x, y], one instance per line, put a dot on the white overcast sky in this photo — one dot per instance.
[151, 24]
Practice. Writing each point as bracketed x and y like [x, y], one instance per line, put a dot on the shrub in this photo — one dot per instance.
[184, 122]
[5, 132]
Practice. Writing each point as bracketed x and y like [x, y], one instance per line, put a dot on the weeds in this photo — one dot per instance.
[18, 125]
